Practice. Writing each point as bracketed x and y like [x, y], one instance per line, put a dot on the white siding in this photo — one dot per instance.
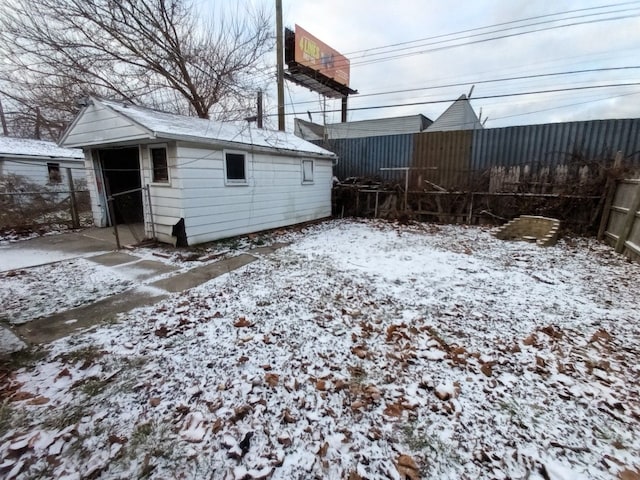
[166, 199]
[100, 125]
[36, 171]
[274, 196]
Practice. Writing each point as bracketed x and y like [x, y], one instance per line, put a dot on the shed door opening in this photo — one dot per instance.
[121, 170]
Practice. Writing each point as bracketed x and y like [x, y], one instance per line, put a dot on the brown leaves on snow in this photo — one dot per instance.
[242, 322]
[627, 474]
[407, 468]
[271, 379]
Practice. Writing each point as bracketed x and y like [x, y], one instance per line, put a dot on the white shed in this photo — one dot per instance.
[196, 180]
[40, 162]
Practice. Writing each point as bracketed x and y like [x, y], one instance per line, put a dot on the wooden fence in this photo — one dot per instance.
[622, 218]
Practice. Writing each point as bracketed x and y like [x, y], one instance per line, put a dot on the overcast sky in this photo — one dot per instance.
[357, 27]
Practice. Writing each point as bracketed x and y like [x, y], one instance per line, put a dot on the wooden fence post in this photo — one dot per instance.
[75, 218]
[628, 221]
[607, 198]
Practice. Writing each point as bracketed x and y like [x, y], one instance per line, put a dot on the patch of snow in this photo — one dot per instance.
[9, 341]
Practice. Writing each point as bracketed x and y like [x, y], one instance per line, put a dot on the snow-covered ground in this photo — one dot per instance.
[39, 291]
[363, 350]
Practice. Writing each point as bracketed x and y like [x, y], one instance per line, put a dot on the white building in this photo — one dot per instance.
[361, 128]
[40, 162]
[206, 180]
[460, 115]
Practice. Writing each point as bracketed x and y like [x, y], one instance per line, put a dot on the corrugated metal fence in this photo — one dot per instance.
[499, 159]
[364, 157]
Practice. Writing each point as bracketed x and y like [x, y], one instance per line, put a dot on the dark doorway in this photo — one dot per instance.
[121, 169]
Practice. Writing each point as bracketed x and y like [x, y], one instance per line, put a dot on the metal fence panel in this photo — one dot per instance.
[556, 143]
[543, 154]
[441, 158]
[364, 157]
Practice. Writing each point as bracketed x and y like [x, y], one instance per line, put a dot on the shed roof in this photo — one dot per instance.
[27, 147]
[459, 116]
[163, 125]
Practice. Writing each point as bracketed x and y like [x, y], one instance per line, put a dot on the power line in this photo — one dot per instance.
[565, 106]
[484, 40]
[504, 95]
[407, 54]
[495, 25]
[494, 80]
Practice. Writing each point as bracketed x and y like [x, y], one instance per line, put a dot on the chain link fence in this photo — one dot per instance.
[28, 206]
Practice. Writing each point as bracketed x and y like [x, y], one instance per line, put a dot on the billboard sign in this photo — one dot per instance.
[312, 53]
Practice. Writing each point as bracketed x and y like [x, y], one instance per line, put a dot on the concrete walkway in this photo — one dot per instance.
[64, 246]
[48, 329]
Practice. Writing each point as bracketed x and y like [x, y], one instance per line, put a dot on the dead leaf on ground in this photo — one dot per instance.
[240, 412]
[487, 369]
[242, 322]
[340, 385]
[287, 417]
[272, 379]
[407, 468]
[360, 351]
[627, 474]
[284, 440]
[21, 395]
[63, 373]
[162, 332]
[323, 449]
[394, 410]
[116, 439]
[552, 331]
[600, 335]
[216, 426]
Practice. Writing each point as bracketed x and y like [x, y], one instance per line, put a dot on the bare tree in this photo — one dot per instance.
[160, 53]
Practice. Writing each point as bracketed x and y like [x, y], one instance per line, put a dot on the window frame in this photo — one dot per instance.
[54, 173]
[235, 181]
[159, 146]
[304, 180]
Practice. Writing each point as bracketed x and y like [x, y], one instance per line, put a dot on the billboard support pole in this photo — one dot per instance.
[260, 114]
[280, 64]
[344, 108]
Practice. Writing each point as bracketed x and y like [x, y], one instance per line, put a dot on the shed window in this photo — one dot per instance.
[307, 171]
[159, 164]
[235, 166]
[54, 172]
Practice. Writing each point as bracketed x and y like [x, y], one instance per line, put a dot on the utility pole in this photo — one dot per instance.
[344, 108]
[259, 116]
[280, 64]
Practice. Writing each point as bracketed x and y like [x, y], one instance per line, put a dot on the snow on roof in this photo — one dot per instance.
[26, 147]
[169, 125]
